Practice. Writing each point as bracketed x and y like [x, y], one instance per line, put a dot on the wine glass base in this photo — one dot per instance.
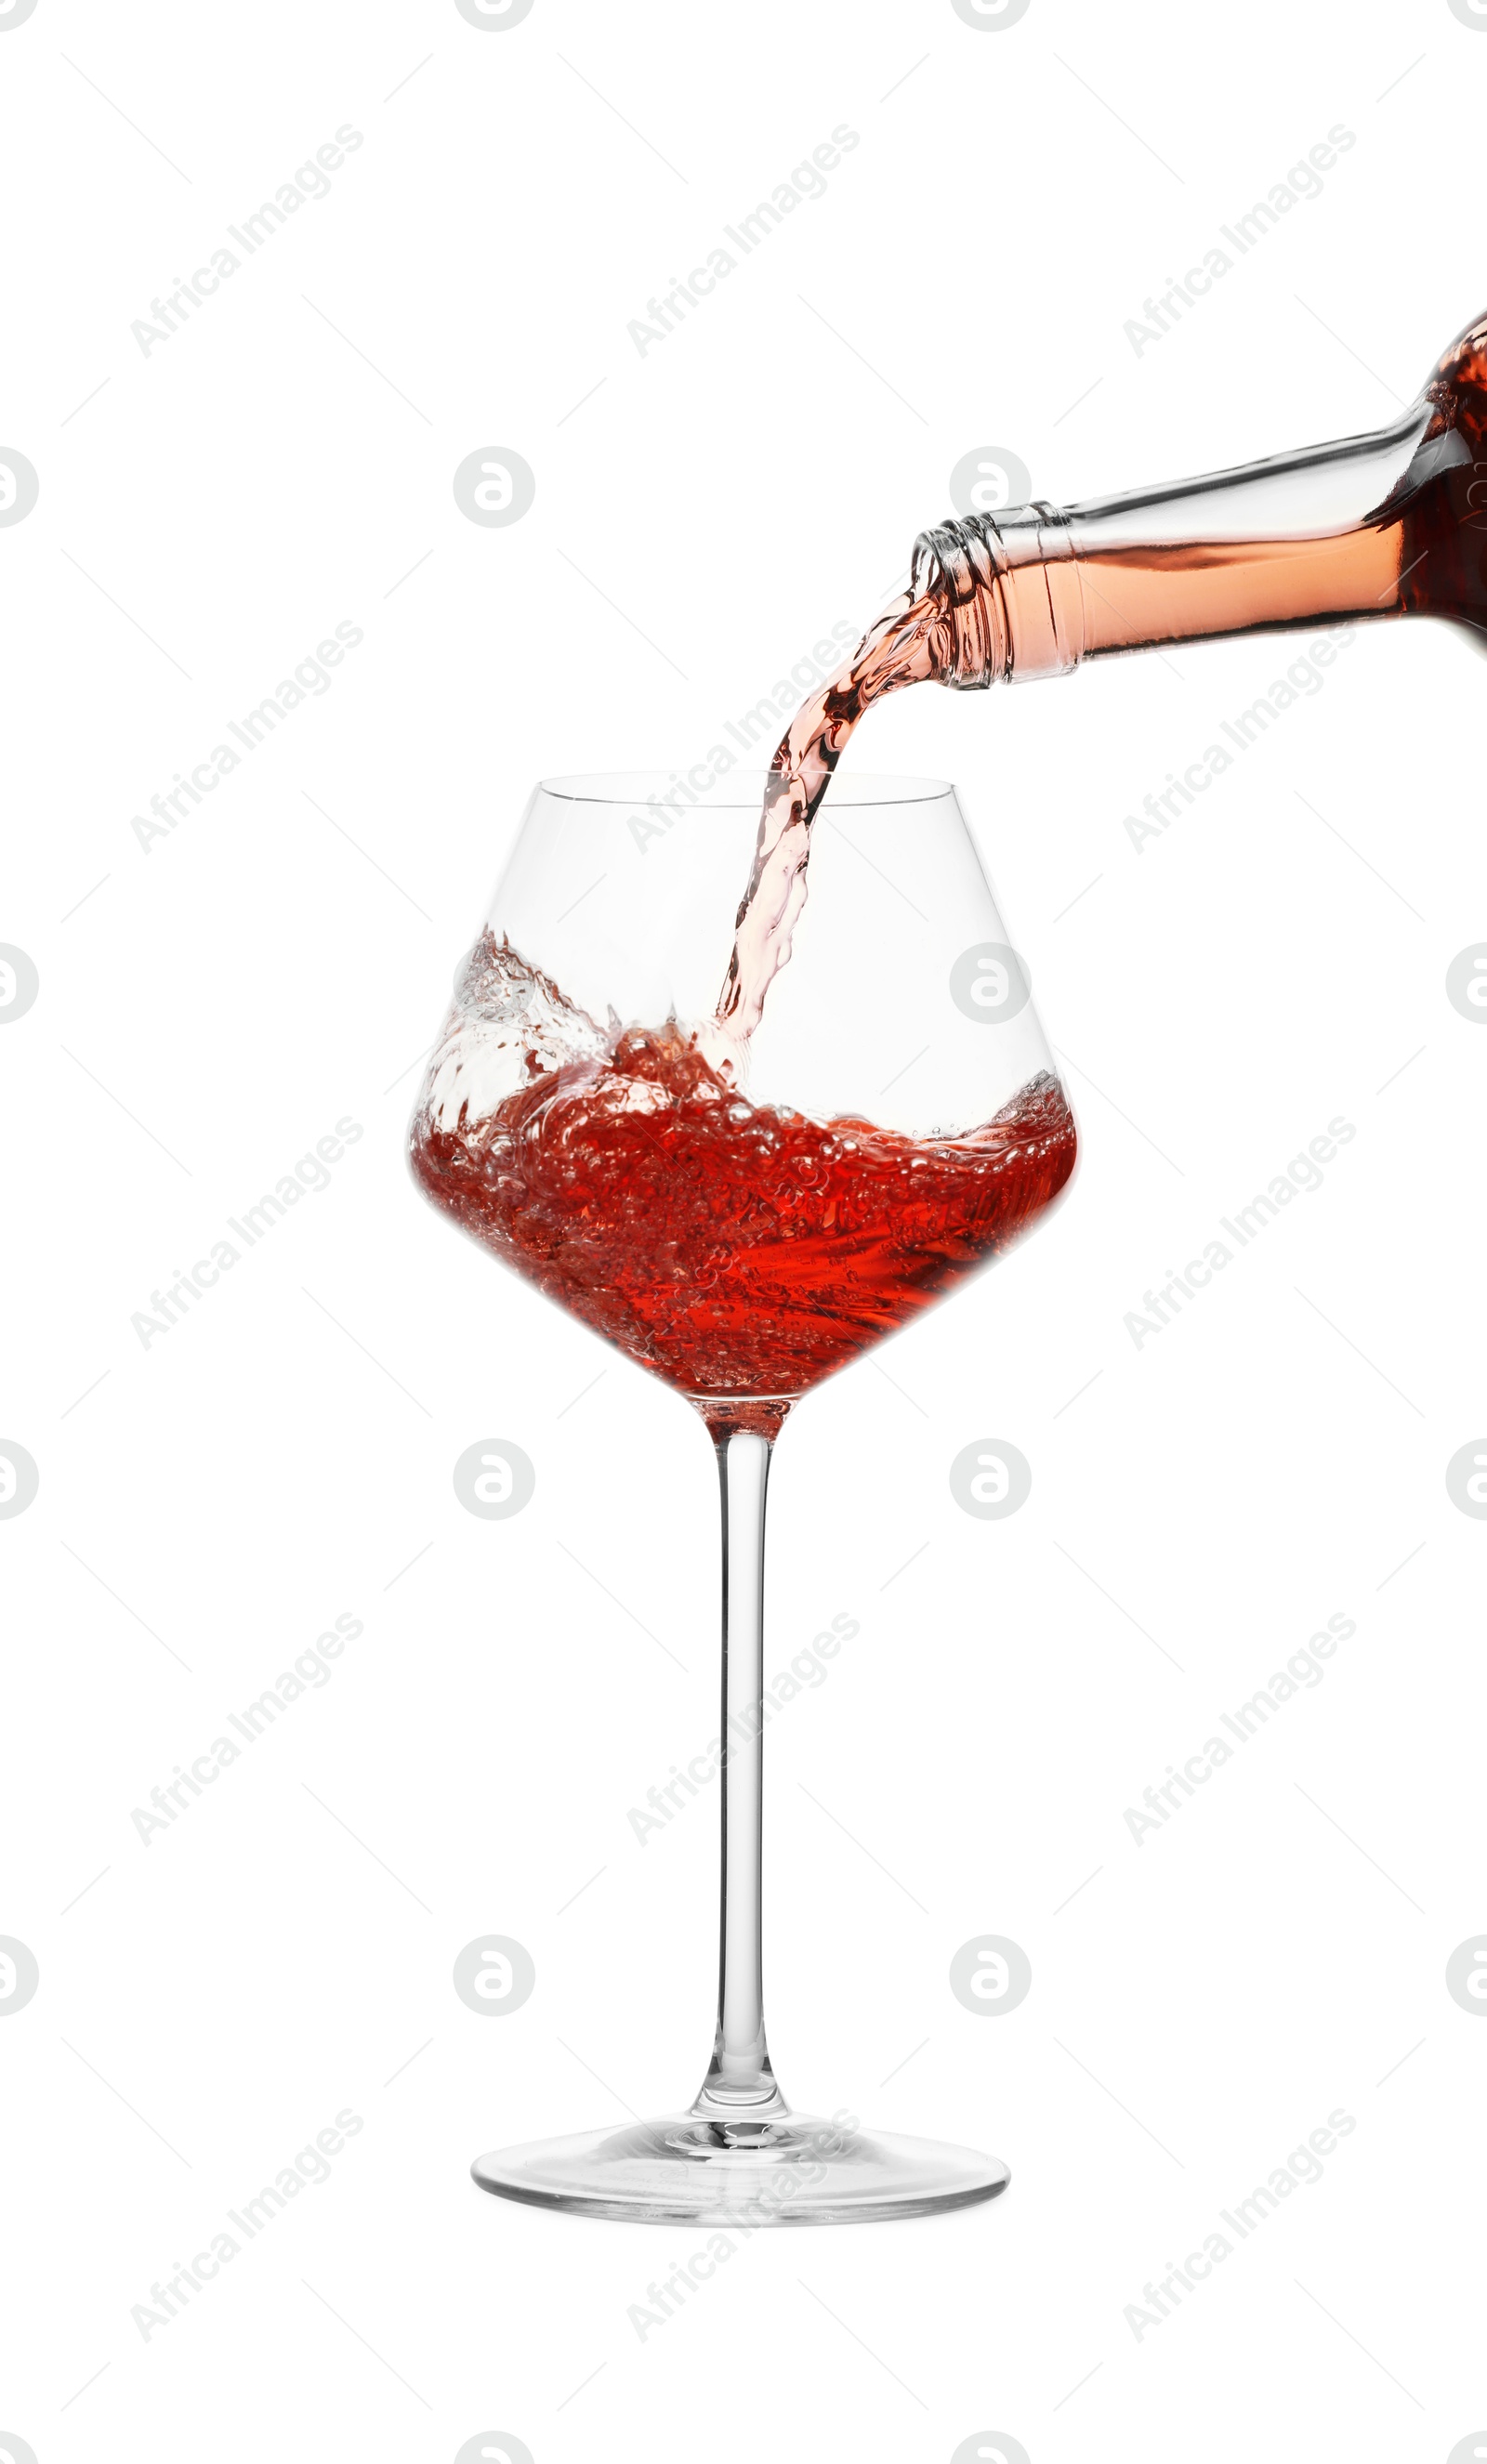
[795, 2170]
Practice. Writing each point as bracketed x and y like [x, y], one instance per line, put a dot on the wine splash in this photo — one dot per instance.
[736, 1250]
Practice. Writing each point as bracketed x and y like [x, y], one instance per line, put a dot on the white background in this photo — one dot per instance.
[208, 1011]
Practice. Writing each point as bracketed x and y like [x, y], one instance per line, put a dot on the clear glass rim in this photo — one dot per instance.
[743, 791]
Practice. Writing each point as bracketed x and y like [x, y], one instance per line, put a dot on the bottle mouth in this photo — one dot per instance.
[957, 565]
[1009, 595]
[951, 558]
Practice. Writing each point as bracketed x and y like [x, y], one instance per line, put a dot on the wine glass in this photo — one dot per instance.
[741, 1221]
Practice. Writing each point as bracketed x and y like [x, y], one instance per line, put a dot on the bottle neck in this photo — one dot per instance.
[1317, 537]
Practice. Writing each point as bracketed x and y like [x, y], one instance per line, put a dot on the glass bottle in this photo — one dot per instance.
[1390, 524]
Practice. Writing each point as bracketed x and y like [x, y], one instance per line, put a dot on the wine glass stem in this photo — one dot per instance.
[739, 2083]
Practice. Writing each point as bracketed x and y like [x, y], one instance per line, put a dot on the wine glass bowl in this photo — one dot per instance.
[743, 1217]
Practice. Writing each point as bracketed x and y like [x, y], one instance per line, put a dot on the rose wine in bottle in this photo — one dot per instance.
[1390, 524]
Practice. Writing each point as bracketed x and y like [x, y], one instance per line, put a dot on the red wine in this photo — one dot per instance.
[740, 1251]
